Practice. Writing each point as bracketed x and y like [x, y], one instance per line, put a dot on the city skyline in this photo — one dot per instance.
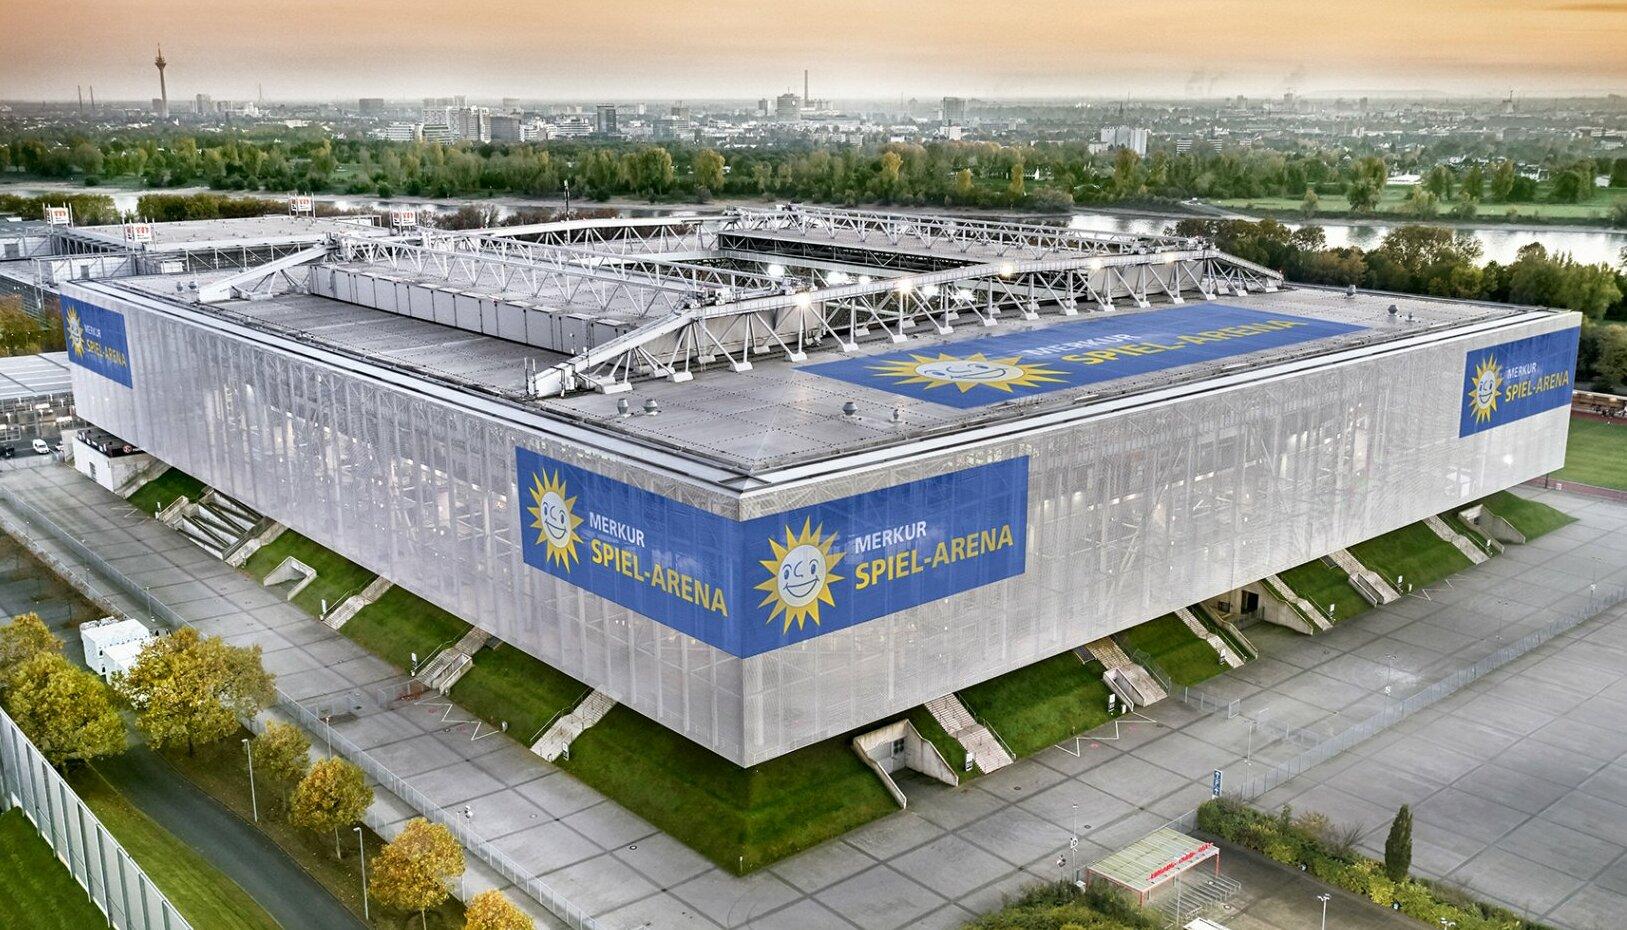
[736, 50]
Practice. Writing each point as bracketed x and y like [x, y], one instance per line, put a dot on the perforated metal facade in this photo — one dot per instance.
[1134, 508]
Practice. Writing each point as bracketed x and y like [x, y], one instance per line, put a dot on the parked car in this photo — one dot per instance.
[41, 446]
[7, 451]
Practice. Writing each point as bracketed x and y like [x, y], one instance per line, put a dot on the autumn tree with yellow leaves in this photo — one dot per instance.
[190, 689]
[412, 871]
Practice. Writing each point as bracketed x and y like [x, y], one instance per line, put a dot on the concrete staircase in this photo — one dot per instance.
[216, 524]
[242, 553]
[350, 606]
[1227, 654]
[1318, 620]
[1129, 681]
[1464, 544]
[1369, 583]
[450, 664]
[981, 745]
[147, 473]
[553, 743]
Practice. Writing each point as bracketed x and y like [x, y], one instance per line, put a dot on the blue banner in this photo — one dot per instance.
[95, 338]
[1515, 380]
[754, 586]
[991, 369]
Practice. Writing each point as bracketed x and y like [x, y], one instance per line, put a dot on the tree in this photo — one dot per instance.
[1502, 180]
[1309, 204]
[66, 711]
[709, 170]
[1611, 366]
[333, 795]
[412, 870]
[25, 637]
[489, 910]
[283, 751]
[1439, 182]
[189, 689]
[1364, 195]
[1398, 846]
[1016, 187]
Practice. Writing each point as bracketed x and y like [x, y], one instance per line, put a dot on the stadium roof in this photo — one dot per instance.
[26, 376]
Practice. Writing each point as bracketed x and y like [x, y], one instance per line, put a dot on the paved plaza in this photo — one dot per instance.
[1536, 732]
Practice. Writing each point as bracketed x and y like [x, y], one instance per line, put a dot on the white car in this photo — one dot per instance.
[41, 446]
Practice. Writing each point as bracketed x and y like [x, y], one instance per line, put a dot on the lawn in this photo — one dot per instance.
[1596, 455]
[401, 623]
[160, 492]
[1042, 704]
[1181, 655]
[1325, 586]
[217, 770]
[741, 819]
[949, 747]
[507, 684]
[204, 896]
[336, 577]
[1410, 557]
[1533, 518]
[36, 891]
[1598, 210]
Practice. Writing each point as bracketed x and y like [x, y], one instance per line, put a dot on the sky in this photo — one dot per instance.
[603, 50]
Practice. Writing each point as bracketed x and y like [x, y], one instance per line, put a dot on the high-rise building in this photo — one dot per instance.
[787, 106]
[163, 91]
[202, 104]
[370, 106]
[1126, 137]
[605, 119]
[954, 111]
[506, 128]
[762, 106]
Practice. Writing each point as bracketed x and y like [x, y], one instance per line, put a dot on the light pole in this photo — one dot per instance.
[254, 799]
[361, 849]
[1324, 898]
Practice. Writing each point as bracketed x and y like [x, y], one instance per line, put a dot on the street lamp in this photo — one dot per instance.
[254, 799]
[1324, 898]
[361, 848]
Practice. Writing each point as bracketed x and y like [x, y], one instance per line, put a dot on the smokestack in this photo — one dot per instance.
[93, 98]
[81, 91]
[804, 86]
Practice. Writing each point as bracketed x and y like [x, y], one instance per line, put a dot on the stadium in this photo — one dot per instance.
[767, 476]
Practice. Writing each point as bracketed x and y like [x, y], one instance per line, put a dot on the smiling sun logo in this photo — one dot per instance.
[1484, 386]
[76, 332]
[976, 370]
[800, 575]
[553, 516]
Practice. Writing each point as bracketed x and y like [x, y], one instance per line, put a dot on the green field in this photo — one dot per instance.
[741, 819]
[1184, 657]
[1530, 517]
[401, 623]
[36, 891]
[1325, 586]
[336, 577]
[160, 492]
[1410, 557]
[204, 896]
[950, 748]
[1041, 704]
[1596, 454]
[1593, 212]
[507, 684]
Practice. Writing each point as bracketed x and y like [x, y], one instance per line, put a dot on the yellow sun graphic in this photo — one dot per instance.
[800, 575]
[76, 332]
[1484, 387]
[553, 516]
[976, 370]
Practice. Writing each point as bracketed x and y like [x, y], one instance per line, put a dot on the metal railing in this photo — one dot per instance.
[114, 881]
[314, 722]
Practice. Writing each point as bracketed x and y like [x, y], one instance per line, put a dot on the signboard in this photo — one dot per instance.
[301, 204]
[96, 339]
[1514, 380]
[979, 372]
[1214, 784]
[403, 219]
[751, 586]
[58, 216]
[138, 232]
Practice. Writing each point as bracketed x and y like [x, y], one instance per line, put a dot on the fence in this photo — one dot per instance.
[114, 881]
[1316, 748]
[313, 722]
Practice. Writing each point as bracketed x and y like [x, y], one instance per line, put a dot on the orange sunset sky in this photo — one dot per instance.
[584, 50]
